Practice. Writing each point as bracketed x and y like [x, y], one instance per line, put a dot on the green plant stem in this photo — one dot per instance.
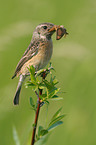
[36, 117]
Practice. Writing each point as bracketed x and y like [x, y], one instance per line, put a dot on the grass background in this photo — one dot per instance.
[74, 59]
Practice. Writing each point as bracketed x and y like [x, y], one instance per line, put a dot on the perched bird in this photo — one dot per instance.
[37, 54]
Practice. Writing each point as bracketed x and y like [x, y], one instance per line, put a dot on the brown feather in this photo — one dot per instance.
[28, 54]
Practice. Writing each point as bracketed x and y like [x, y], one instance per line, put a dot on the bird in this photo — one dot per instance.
[38, 54]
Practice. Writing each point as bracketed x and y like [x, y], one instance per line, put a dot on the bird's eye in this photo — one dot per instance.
[45, 27]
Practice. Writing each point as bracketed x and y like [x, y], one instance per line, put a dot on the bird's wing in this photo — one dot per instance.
[28, 54]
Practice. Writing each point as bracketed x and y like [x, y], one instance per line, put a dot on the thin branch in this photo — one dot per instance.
[37, 94]
[37, 112]
[36, 118]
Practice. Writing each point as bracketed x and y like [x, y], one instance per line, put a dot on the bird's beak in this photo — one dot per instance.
[54, 28]
[60, 31]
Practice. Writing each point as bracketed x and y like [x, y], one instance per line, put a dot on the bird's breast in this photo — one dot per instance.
[45, 53]
[41, 59]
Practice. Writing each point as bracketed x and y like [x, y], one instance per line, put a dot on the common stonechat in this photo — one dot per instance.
[38, 53]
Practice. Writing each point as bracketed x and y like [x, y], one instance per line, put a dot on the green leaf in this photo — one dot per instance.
[32, 74]
[39, 130]
[39, 72]
[48, 85]
[50, 68]
[15, 136]
[56, 120]
[43, 96]
[33, 79]
[53, 92]
[43, 132]
[56, 117]
[34, 88]
[42, 140]
[32, 69]
[47, 102]
[32, 104]
[51, 89]
[50, 64]
[55, 97]
[29, 84]
[56, 114]
[53, 126]
[55, 81]
[33, 125]
[41, 85]
[37, 137]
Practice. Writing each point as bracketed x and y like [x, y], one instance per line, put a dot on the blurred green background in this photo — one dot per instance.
[74, 60]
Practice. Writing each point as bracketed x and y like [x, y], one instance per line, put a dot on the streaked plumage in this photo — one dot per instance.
[37, 54]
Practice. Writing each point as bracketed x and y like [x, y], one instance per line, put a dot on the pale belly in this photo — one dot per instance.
[39, 61]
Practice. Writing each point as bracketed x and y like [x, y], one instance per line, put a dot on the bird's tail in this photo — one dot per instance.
[16, 98]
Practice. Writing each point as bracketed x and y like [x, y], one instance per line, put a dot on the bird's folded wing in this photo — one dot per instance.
[28, 54]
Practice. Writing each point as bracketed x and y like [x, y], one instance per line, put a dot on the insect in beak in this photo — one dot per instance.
[60, 31]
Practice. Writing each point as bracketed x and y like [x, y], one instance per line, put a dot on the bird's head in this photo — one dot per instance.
[42, 31]
[45, 31]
